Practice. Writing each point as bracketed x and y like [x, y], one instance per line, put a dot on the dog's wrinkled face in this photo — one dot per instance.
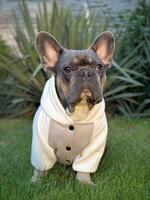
[79, 73]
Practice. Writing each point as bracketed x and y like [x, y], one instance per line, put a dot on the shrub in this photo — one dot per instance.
[136, 34]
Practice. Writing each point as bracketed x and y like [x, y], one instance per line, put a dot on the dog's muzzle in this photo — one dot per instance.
[85, 82]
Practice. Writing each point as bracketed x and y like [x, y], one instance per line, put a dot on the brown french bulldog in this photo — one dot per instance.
[79, 77]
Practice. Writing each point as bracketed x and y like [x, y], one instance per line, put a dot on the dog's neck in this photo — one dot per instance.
[81, 111]
[82, 108]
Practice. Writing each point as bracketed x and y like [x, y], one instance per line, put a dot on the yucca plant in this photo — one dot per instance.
[20, 91]
[121, 90]
[22, 88]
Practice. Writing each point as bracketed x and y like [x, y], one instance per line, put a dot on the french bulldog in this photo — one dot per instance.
[79, 80]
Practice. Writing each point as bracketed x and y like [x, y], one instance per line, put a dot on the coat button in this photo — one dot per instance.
[68, 148]
[68, 161]
[71, 127]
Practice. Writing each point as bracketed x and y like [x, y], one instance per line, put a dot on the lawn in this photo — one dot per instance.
[123, 174]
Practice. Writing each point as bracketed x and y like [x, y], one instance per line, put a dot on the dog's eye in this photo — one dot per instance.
[99, 67]
[67, 69]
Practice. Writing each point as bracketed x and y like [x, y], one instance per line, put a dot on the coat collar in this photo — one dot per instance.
[54, 109]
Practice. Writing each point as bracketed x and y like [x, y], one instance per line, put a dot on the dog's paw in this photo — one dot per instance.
[38, 174]
[84, 178]
[87, 182]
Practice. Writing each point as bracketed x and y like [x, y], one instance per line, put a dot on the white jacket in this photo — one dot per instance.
[56, 137]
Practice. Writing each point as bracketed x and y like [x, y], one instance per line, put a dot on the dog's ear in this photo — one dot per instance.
[104, 46]
[49, 49]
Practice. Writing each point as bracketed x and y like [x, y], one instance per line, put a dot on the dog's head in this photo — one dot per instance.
[79, 73]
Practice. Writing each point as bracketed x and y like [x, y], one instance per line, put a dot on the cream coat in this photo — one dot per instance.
[56, 137]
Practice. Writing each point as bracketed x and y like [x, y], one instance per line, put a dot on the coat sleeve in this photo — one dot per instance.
[90, 157]
[42, 155]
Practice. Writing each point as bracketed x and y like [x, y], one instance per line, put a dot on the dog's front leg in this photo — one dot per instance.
[84, 177]
[38, 174]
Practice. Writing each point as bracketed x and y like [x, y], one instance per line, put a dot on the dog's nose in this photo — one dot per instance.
[85, 74]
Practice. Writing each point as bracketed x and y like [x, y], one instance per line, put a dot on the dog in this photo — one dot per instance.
[70, 126]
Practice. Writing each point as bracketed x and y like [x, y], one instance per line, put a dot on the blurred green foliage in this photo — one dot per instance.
[135, 33]
[23, 78]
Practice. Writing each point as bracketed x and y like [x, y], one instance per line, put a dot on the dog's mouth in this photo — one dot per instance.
[85, 95]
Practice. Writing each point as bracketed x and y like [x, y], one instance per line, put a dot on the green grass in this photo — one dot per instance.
[124, 173]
